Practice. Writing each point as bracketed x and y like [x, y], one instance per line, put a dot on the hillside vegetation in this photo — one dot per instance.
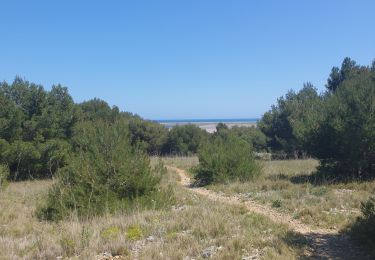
[189, 226]
[82, 180]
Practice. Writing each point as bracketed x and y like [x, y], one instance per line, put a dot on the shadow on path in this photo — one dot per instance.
[329, 246]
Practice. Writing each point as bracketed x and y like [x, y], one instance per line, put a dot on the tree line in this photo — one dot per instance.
[38, 129]
[337, 126]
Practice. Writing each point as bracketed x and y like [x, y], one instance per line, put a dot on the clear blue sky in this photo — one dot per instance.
[185, 58]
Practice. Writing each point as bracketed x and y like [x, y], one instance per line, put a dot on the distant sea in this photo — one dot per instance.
[208, 120]
[209, 124]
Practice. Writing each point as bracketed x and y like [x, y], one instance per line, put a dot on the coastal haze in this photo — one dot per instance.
[210, 124]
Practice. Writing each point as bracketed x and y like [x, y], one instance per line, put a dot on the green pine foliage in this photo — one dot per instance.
[253, 135]
[36, 128]
[225, 158]
[363, 230]
[105, 175]
[148, 135]
[185, 140]
[288, 124]
[344, 142]
[336, 127]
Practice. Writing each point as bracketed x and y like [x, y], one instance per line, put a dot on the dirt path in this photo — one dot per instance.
[323, 243]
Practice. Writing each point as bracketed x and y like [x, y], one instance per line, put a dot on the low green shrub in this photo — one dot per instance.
[110, 233]
[107, 175]
[226, 158]
[68, 245]
[134, 233]
[277, 203]
[363, 230]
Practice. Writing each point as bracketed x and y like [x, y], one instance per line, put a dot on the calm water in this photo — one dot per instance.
[209, 120]
[209, 123]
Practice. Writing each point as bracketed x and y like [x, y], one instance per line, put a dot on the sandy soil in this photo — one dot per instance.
[211, 127]
[323, 243]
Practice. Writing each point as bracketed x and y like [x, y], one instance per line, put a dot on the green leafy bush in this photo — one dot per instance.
[363, 230]
[344, 142]
[185, 139]
[226, 158]
[147, 135]
[253, 135]
[134, 233]
[289, 123]
[277, 203]
[107, 173]
[110, 233]
[36, 127]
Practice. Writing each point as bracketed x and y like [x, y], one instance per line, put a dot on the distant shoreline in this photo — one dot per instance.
[208, 120]
[210, 124]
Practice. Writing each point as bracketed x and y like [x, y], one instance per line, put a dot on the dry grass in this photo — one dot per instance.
[182, 162]
[284, 186]
[183, 230]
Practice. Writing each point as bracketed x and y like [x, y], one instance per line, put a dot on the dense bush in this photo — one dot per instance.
[363, 230]
[36, 127]
[148, 135]
[106, 173]
[252, 135]
[226, 158]
[97, 109]
[336, 127]
[185, 139]
[288, 124]
[344, 142]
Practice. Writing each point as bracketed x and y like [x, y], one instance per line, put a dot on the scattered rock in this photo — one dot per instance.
[179, 208]
[107, 256]
[186, 231]
[341, 192]
[150, 239]
[255, 254]
[249, 194]
[209, 251]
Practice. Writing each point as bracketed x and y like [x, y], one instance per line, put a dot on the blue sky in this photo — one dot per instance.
[183, 59]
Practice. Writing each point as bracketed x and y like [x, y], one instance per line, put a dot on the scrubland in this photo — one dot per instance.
[190, 227]
[290, 187]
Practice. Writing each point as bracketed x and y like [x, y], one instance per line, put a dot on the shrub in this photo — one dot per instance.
[344, 142]
[134, 233]
[363, 230]
[185, 139]
[277, 203]
[148, 135]
[289, 123]
[226, 158]
[253, 135]
[68, 246]
[110, 233]
[106, 174]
